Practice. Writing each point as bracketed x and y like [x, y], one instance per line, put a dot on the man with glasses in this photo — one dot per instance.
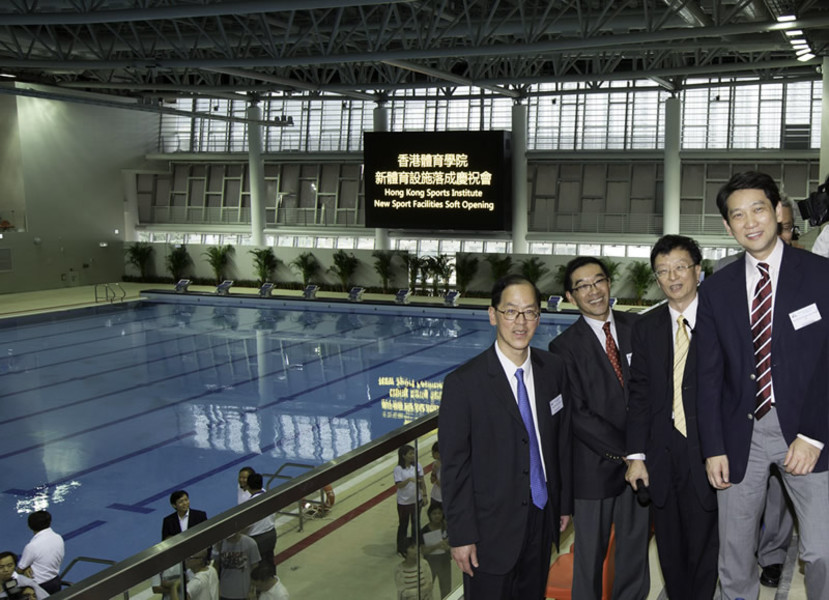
[662, 437]
[505, 449]
[596, 350]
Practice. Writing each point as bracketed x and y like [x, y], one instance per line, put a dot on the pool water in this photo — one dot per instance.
[105, 412]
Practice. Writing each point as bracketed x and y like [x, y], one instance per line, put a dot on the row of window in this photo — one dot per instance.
[421, 247]
[623, 115]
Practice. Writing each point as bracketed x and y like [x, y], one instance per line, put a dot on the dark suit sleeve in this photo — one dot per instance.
[710, 373]
[639, 407]
[169, 527]
[456, 462]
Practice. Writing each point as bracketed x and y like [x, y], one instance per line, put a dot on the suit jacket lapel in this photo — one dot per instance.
[499, 384]
[738, 312]
[665, 343]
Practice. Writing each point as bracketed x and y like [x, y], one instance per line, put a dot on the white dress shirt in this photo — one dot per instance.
[44, 554]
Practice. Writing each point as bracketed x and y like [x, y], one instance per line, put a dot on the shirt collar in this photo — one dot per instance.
[772, 260]
[509, 366]
[690, 312]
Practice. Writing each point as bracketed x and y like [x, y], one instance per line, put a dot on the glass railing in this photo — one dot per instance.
[337, 533]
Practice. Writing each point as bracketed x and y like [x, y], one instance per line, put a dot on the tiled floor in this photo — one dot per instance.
[352, 554]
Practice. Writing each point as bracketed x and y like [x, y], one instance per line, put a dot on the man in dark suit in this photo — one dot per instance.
[505, 451]
[662, 438]
[762, 331]
[596, 350]
[183, 518]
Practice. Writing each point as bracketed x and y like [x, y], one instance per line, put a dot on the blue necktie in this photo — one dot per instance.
[538, 486]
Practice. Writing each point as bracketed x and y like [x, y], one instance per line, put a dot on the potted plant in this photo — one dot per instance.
[466, 267]
[307, 265]
[265, 263]
[177, 261]
[344, 267]
[218, 257]
[140, 256]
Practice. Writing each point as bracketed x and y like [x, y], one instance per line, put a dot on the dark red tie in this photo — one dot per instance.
[761, 334]
[613, 353]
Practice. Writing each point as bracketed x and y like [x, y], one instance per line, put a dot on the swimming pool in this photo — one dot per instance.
[106, 411]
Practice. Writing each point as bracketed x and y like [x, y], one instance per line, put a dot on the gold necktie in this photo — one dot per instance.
[680, 354]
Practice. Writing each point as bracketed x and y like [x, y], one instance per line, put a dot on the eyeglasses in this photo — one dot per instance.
[511, 314]
[583, 288]
[678, 270]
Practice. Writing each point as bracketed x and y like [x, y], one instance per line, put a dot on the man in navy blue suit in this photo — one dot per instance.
[762, 331]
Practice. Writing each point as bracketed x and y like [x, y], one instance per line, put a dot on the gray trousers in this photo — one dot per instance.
[777, 524]
[741, 506]
[592, 520]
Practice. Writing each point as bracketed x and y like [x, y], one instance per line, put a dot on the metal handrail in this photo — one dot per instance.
[116, 579]
[300, 514]
[87, 559]
[109, 292]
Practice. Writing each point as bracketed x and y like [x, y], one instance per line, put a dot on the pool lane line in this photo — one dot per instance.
[178, 402]
[92, 469]
[130, 366]
[140, 506]
[81, 530]
[320, 386]
[138, 386]
[89, 327]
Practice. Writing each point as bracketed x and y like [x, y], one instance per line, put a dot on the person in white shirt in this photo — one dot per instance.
[202, 580]
[243, 491]
[43, 555]
[262, 531]
[267, 584]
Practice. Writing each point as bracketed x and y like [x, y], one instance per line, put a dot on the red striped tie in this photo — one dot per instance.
[761, 334]
[613, 353]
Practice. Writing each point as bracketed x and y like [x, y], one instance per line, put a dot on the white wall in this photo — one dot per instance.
[70, 161]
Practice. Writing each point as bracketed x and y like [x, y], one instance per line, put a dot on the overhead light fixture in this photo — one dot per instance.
[794, 32]
[798, 41]
[786, 18]
[803, 51]
[9, 75]
[800, 46]
[805, 57]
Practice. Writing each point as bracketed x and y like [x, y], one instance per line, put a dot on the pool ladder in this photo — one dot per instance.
[112, 292]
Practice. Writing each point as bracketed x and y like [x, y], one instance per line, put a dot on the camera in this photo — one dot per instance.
[815, 208]
[12, 589]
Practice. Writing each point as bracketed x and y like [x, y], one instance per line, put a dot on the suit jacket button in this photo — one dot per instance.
[750, 416]
[524, 503]
[526, 471]
[752, 377]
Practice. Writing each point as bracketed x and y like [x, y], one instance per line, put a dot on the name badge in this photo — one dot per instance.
[556, 404]
[805, 316]
[629, 357]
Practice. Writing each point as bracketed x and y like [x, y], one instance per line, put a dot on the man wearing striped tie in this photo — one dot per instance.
[762, 332]
[662, 438]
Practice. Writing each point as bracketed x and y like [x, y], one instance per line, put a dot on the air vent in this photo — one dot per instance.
[797, 137]
[5, 259]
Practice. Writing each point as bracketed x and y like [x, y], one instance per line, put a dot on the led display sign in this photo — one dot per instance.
[458, 180]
